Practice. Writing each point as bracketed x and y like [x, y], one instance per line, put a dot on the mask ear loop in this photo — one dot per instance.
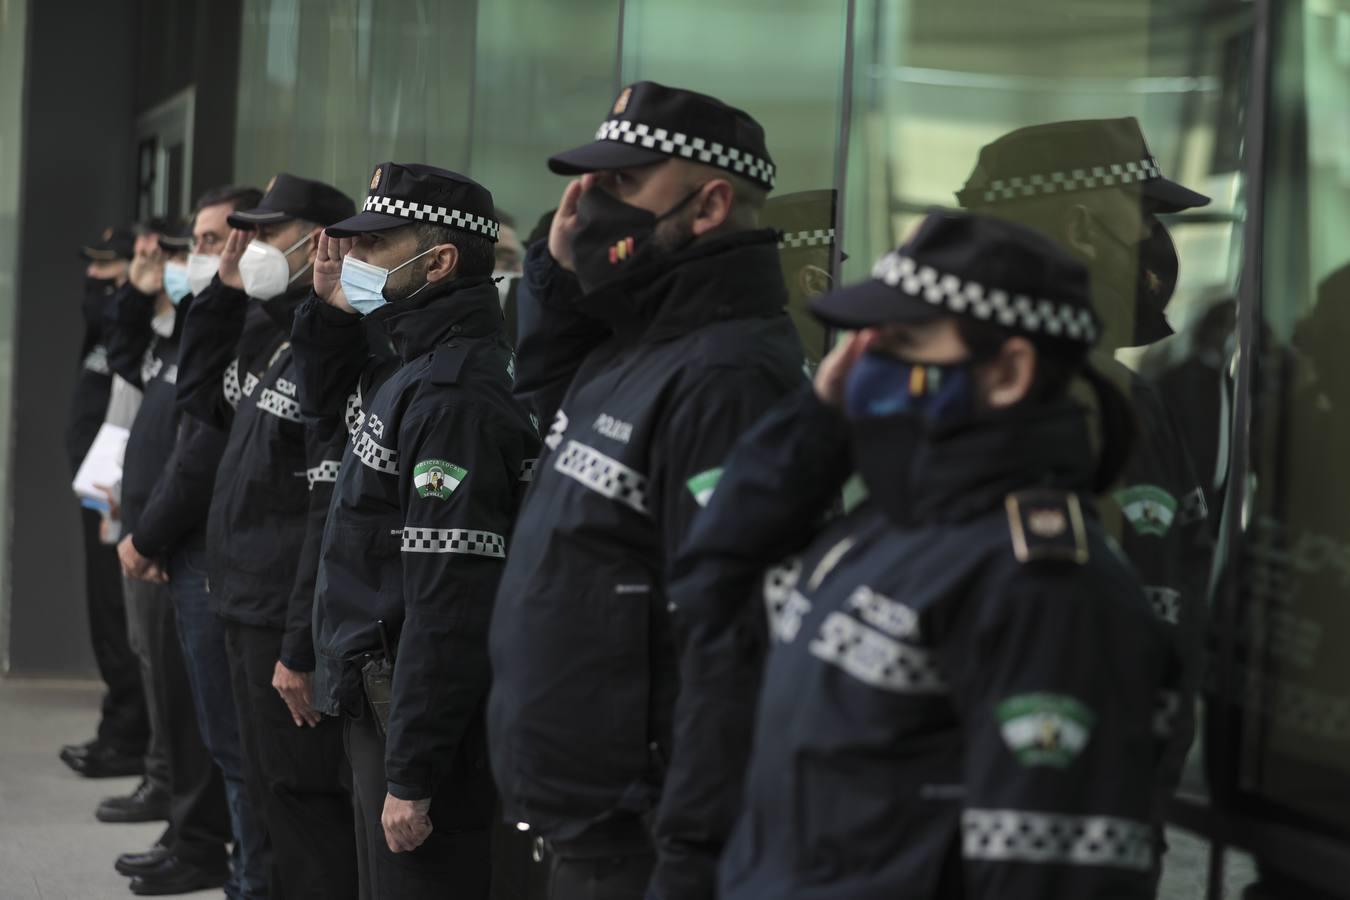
[307, 266]
[412, 260]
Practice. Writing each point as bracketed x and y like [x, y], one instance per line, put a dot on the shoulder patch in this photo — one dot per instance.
[447, 363]
[1045, 729]
[1149, 508]
[437, 478]
[1047, 526]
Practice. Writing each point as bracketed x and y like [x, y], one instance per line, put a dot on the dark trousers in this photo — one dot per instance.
[124, 722]
[600, 878]
[199, 818]
[297, 777]
[454, 863]
[202, 636]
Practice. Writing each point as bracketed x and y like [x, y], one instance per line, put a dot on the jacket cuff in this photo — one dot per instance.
[408, 792]
[297, 651]
[331, 315]
[552, 286]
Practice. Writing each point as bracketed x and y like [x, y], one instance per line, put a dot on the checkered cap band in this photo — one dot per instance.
[422, 212]
[1019, 187]
[453, 540]
[1009, 835]
[693, 148]
[1018, 311]
[817, 237]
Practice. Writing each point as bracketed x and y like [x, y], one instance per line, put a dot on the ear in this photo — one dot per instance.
[313, 253]
[813, 281]
[444, 262]
[1006, 379]
[1078, 228]
[713, 206]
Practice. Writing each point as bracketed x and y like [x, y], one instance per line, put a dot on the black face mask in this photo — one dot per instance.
[1155, 280]
[616, 238]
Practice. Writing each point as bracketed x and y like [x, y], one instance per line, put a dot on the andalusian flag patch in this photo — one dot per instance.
[703, 484]
[1045, 729]
[437, 478]
[1149, 508]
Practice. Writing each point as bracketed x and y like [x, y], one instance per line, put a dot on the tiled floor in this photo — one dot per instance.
[51, 846]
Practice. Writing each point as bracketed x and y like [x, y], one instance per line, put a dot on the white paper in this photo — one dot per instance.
[102, 466]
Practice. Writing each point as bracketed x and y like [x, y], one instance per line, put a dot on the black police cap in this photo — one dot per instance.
[113, 244]
[650, 123]
[176, 237]
[804, 220]
[983, 268]
[288, 198]
[408, 193]
[1068, 157]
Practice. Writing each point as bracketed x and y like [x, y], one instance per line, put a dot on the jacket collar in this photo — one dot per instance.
[462, 307]
[969, 471]
[732, 277]
[281, 309]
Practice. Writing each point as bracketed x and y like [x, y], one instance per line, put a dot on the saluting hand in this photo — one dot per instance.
[235, 245]
[297, 689]
[147, 269]
[407, 823]
[834, 368]
[566, 223]
[328, 270]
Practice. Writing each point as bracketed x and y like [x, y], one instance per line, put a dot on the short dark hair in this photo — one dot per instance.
[237, 195]
[476, 253]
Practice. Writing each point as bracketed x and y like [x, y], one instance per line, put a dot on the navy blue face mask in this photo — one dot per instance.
[880, 385]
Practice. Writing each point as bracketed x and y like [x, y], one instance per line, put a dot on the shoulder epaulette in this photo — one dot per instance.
[1047, 526]
[447, 363]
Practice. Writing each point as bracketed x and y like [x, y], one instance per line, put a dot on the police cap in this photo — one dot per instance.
[962, 264]
[650, 123]
[409, 193]
[288, 198]
[1067, 157]
[114, 243]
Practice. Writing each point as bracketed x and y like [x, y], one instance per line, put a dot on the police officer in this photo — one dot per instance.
[960, 698]
[421, 515]
[655, 315]
[118, 747]
[191, 854]
[271, 497]
[1095, 187]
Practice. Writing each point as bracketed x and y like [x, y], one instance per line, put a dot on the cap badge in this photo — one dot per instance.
[1047, 523]
[622, 103]
[621, 251]
[375, 179]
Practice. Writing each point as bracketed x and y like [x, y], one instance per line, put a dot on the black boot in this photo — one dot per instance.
[103, 761]
[132, 864]
[145, 804]
[174, 876]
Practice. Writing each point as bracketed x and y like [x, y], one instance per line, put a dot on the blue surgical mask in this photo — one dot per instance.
[363, 282]
[881, 385]
[176, 283]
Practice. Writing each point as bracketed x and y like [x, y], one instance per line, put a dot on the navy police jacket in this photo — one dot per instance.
[275, 477]
[420, 520]
[653, 379]
[971, 703]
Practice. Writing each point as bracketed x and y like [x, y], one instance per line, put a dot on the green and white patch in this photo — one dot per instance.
[1045, 729]
[1149, 508]
[437, 478]
[703, 484]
